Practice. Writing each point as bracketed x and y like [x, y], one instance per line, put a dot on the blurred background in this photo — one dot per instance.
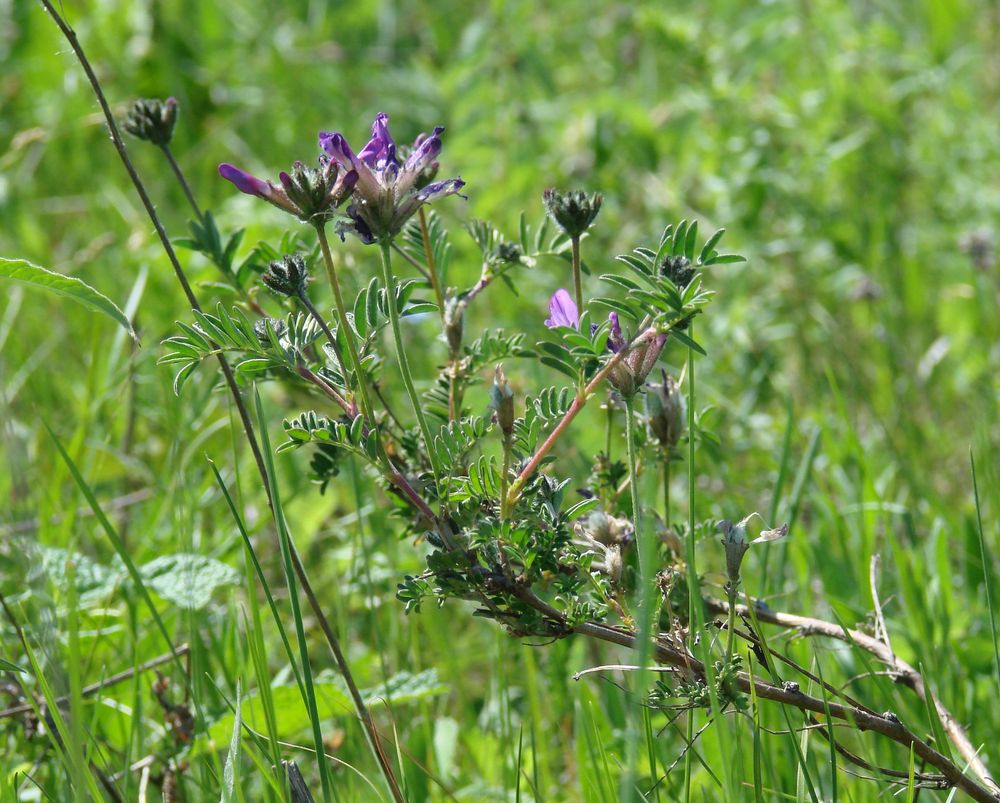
[850, 149]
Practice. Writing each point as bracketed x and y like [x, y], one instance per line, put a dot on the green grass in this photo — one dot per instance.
[852, 364]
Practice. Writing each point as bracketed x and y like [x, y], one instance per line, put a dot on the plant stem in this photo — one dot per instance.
[404, 365]
[692, 575]
[645, 559]
[666, 487]
[575, 407]
[331, 338]
[360, 385]
[183, 182]
[425, 235]
[577, 280]
[505, 479]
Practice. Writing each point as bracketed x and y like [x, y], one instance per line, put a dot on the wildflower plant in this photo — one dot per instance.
[512, 525]
[509, 532]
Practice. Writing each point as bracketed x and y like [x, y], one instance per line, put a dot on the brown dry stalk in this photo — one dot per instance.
[902, 672]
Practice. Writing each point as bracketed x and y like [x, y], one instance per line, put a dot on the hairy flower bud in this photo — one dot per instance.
[605, 529]
[735, 542]
[666, 410]
[502, 402]
[454, 323]
[573, 211]
[678, 269]
[152, 120]
[631, 371]
[287, 277]
[507, 252]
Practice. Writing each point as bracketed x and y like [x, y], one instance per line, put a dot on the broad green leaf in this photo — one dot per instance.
[20, 270]
[187, 579]
[93, 580]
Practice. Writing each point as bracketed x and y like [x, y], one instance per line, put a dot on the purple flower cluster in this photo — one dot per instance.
[631, 371]
[384, 192]
[387, 192]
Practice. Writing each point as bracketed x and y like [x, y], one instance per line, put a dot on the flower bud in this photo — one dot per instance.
[629, 374]
[735, 542]
[678, 269]
[507, 252]
[502, 401]
[152, 120]
[605, 529]
[666, 410]
[573, 211]
[316, 192]
[454, 323]
[287, 277]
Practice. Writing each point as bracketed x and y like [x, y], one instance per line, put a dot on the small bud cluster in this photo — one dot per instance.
[152, 120]
[573, 211]
[288, 276]
[631, 371]
[678, 269]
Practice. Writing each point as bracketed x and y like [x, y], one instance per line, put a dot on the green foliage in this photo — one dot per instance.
[850, 365]
[20, 270]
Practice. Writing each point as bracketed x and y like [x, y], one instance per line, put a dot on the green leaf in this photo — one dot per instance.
[187, 579]
[92, 580]
[20, 270]
[7, 666]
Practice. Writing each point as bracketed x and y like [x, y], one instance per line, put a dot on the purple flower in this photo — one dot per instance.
[388, 193]
[245, 182]
[311, 194]
[562, 311]
[616, 342]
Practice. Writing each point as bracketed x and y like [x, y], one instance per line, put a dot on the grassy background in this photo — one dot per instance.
[847, 147]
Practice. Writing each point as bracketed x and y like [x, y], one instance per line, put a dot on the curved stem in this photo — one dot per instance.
[902, 672]
[241, 407]
[404, 364]
[575, 407]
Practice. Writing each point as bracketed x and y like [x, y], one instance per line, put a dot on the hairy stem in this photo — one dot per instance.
[331, 338]
[644, 551]
[575, 407]
[903, 672]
